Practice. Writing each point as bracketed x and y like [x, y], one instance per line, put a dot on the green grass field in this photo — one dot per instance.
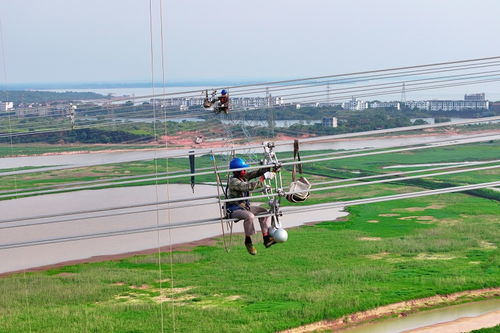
[383, 253]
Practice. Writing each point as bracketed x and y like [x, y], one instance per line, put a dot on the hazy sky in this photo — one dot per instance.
[108, 40]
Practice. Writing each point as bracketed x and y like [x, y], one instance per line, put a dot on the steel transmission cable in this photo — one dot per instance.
[185, 175]
[321, 83]
[334, 137]
[214, 197]
[214, 202]
[297, 99]
[471, 73]
[217, 220]
[338, 155]
[387, 92]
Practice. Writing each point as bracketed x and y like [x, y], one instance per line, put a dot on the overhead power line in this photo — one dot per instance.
[217, 220]
[204, 113]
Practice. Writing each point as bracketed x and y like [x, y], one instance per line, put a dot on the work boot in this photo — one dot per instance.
[269, 241]
[251, 249]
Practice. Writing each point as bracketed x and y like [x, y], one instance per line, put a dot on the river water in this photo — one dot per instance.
[430, 317]
[39, 255]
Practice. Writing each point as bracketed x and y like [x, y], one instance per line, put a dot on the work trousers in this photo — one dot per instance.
[248, 218]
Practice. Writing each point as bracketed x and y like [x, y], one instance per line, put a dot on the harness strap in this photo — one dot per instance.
[296, 157]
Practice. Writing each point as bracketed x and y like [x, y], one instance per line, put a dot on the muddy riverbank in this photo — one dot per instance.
[400, 309]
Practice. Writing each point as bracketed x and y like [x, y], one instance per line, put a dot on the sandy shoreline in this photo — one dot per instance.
[401, 309]
[465, 324]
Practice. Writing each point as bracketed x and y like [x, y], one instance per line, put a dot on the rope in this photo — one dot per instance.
[221, 209]
[4, 72]
[155, 157]
[172, 284]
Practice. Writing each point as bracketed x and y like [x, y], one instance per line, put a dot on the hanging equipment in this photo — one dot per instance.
[192, 168]
[299, 188]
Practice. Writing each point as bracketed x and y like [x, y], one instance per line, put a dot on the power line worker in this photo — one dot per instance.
[239, 186]
[222, 102]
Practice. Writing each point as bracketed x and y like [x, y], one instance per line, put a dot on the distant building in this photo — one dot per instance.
[470, 102]
[355, 104]
[449, 105]
[474, 97]
[6, 106]
[329, 104]
[386, 105]
[330, 122]
[495, 106]
[421, 105]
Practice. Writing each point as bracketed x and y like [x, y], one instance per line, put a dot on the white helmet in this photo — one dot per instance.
[280, 235]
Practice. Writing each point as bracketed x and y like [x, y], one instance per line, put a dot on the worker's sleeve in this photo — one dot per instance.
[257, 173]
[242, 186]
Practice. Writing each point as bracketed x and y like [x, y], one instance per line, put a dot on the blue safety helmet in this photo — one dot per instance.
[237, 163]
[223, 92]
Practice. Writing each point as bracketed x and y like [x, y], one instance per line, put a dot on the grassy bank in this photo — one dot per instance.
[383, 253]
[341, 168]
[7, 150]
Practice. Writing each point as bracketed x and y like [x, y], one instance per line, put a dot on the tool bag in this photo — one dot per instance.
[301, 185]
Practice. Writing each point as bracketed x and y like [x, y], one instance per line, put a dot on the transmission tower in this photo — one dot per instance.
[403, 95]
[270, 113]
[328, 93]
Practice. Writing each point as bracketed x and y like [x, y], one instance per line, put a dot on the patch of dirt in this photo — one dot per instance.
[164, 298]
[378, 256]
[143, 287]
[129, 299]
[369, 238]
[166, 295]
[421, 219]
[436, 206]
[450, 221]
[174, 291]
[118, 283]
[487, 245]
[474, 262]
[372, 221]
[426, 218]
[414, 209]
[233, 298]
[434, 256]
[396, 309]
[187, 139]
[388, 215]
[421, 209]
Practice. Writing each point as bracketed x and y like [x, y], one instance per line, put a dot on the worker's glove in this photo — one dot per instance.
[262, 171]
[269, 175]
[277, 167]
